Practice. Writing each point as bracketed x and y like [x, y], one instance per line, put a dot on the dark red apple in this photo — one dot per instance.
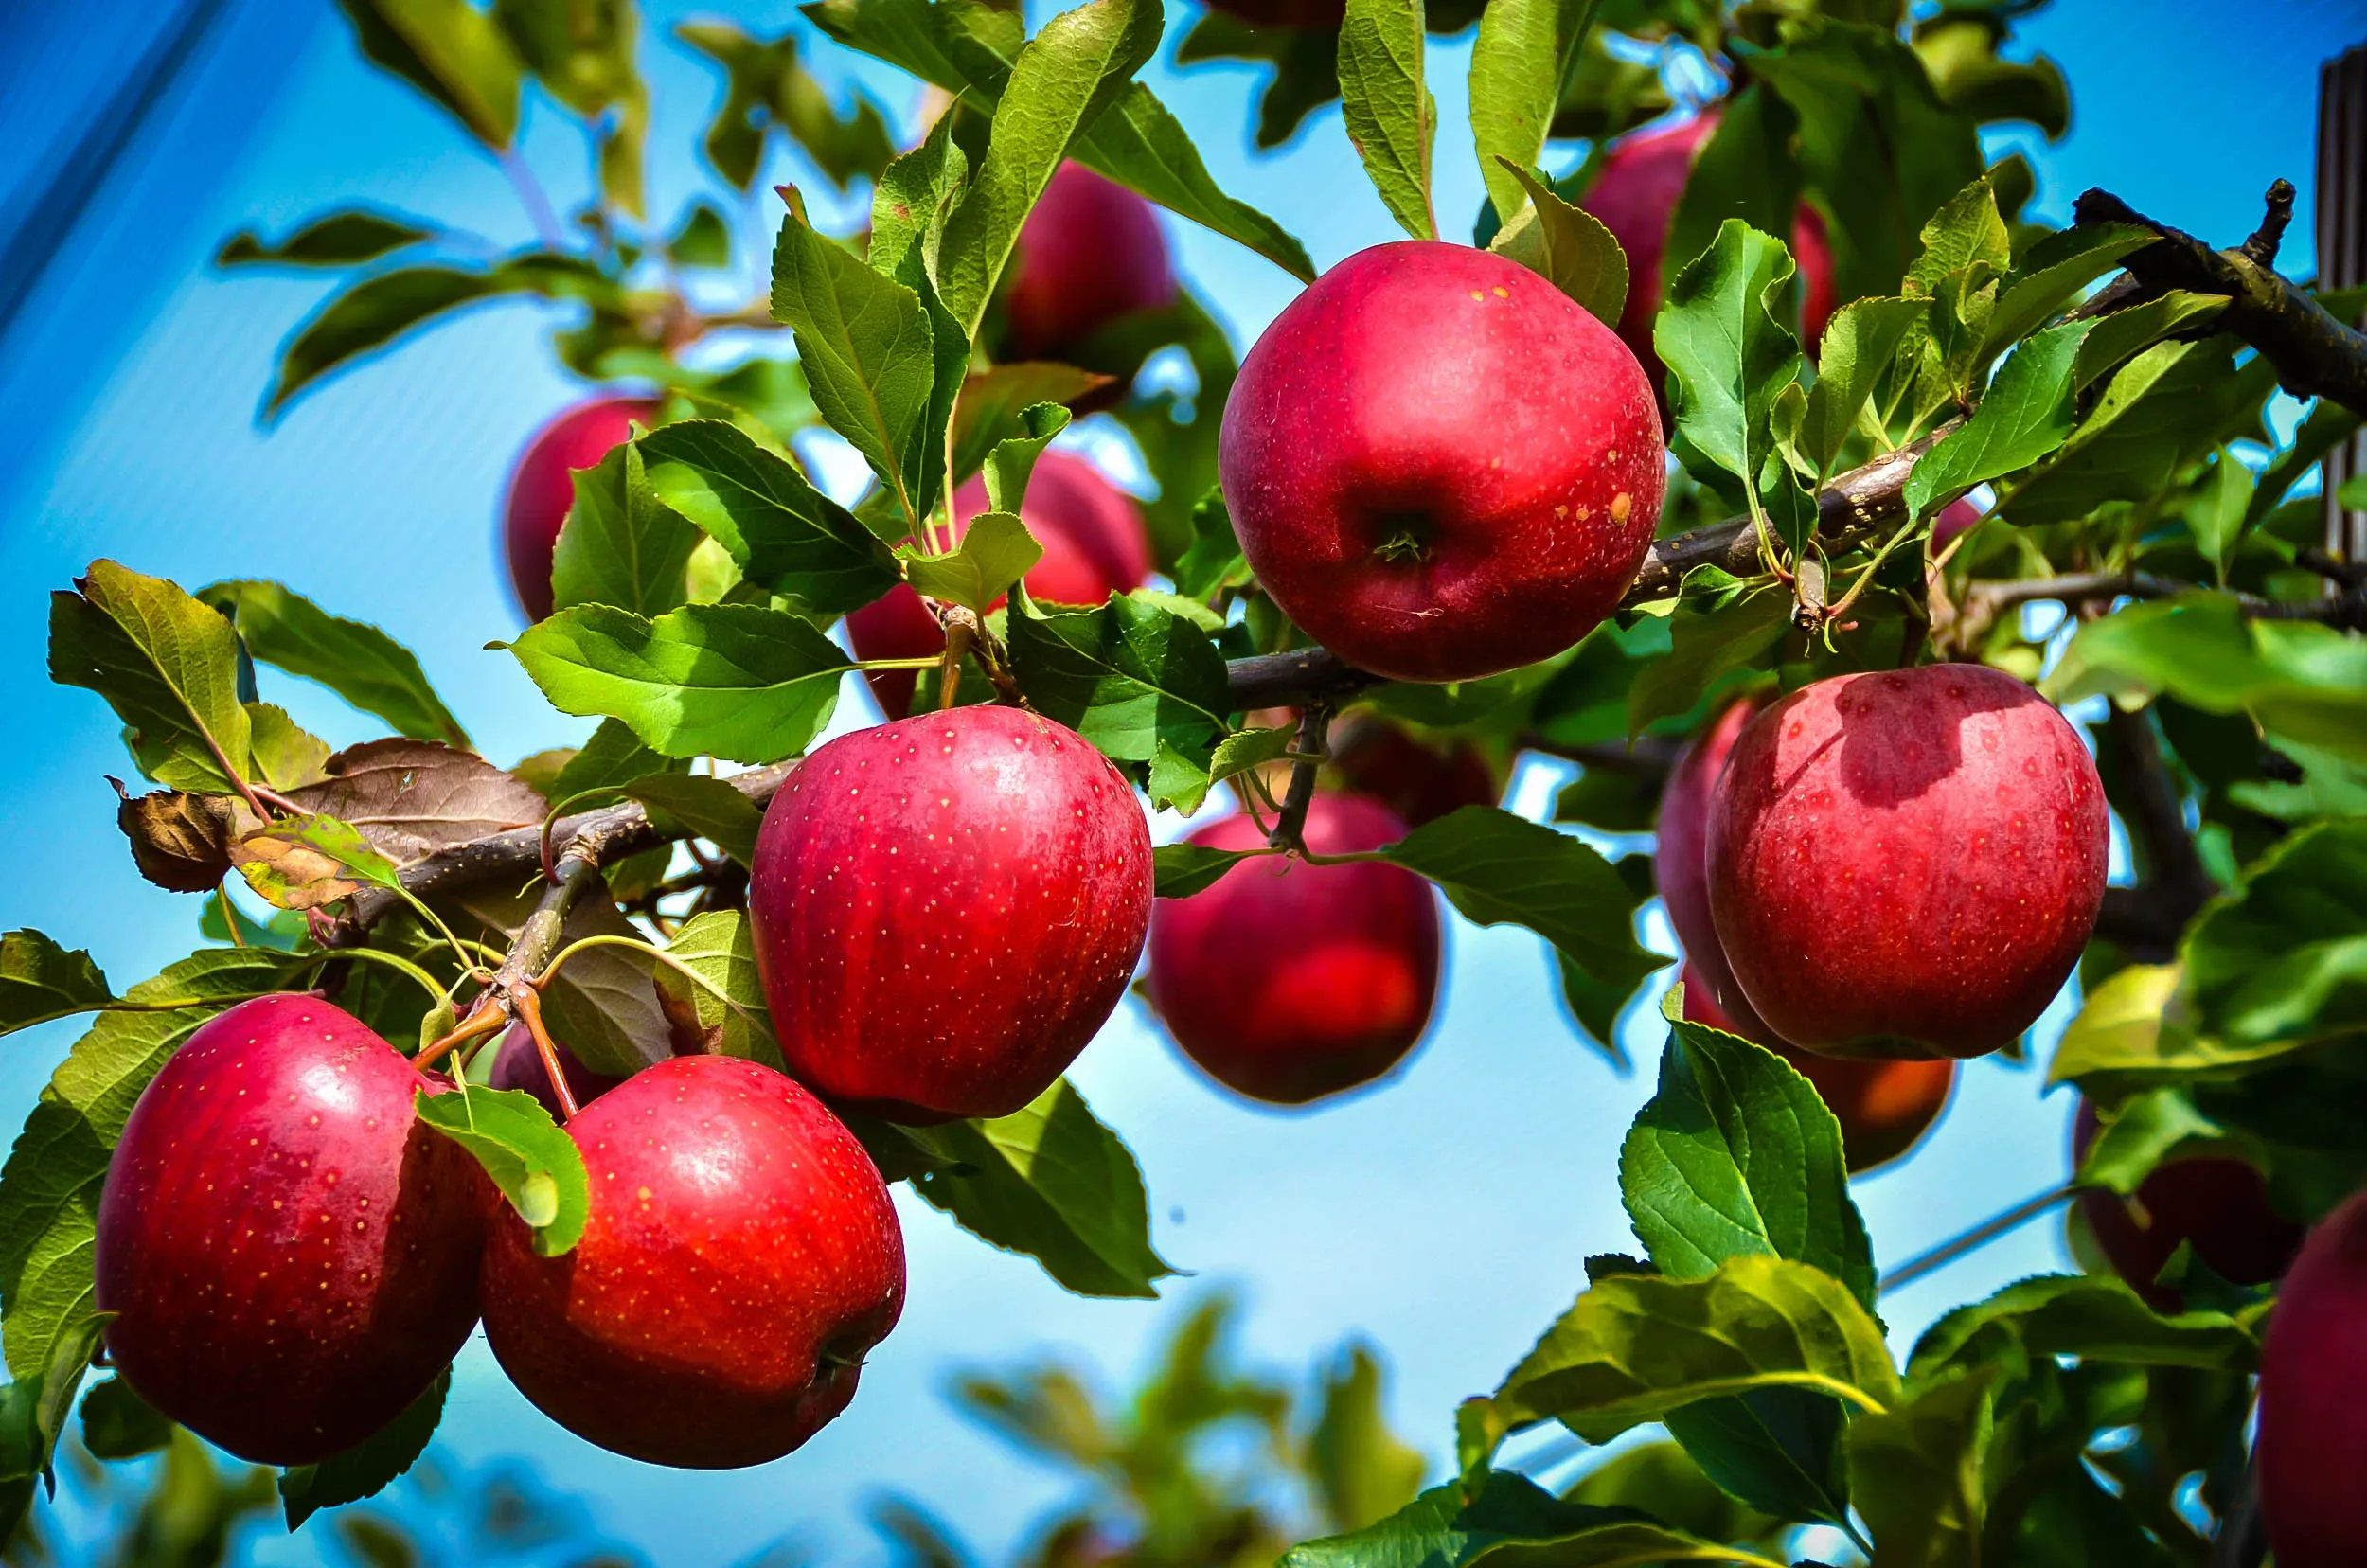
[1420, 781]
[1635, 197]
[1094, 544]
[1287, 982]
[1439, 465]
[1955, 517]
[946, 908]
[543, 487]
[2312, 1444]
[1284, 13]
[1906, 863]
[292, 1256]
[1680, 870]
[2217, 1203]
[1883, 1107]
[741, 1256]
[1089, 253]
[518, 1065]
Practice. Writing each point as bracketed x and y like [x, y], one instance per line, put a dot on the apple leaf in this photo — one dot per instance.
[2050, 274]
[357, 661]
[735, 681]
[118, 1424]
[1526, 51]
[785, 536]
[168, 665]
[1778, 1450]
[995, 552]
[2116, 336]
[2142, 1132]
[1391, 119]
[2119, 1026]
[303, 862]
[1125, 676]
[39, 980]
[720, 947]
[915, 195]
[2284, 960]
[1505, 1518]
[1362, 1471]
[2095, 1319]
[1705, 644]
[529, 1156]
[1013, 459]
[1077, 65]
[1002, 403]
[411, 798]
[1859, 342]
[707, 806]
[1184, 869]
[1051, 1181]
[450, 50]
[1498, 868]
[284, 756]
[1743, 171]
[604, 1004]
[611, 759]
[1567, 246]
[2025, 415]
[622, 545]
[368, 1467]
[1916, 1472]
[332, 239]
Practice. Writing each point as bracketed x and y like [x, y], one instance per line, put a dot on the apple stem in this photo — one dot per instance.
[528, 1004]
[483, 1019]
[1307, 753]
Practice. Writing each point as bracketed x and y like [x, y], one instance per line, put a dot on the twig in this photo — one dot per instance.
[1979, 1236]
[1984, 602]
[1307, 753]
[2173, 869]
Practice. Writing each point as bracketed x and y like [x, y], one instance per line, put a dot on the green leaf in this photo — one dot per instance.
[39, 980]
[995, 552]
[2143, 1131]
[332, 239]
[1498, 868]
[1565, 245]
[368, 1467]
[709, 806]
[1634, 1347]
[1775, 1450]
[450, 50]
[1071, 70]
[786, 537]
[1001, 404]
[704, 240]
[1184, 869]
[1125, 676]
[2118, 334]
[738, 682]
[2095, 1319]
[118, 1424]
[2283, 960]
[916, 195]
[1051, 1181]
[529, 1156]
[768, 88]
[1360, 1469]
[2050, 274]
[284, 756]
[1511, 1522]
[719, 946]
[1706, 645]
[357, 661]
[1729, 354]
[2025, 415]
[1744, 172]
[1391, 119]
[1858, 346]
[613, 757]
[2215, 511]
[167, 665]
[2119, 1026]
[622, 545]
[1916, 1474]
[1013, 460]
[1525, 51]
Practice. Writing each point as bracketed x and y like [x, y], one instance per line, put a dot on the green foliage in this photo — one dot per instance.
[536, 1164]
[1129, 676]
[995, 553]
[167, 665]
[39, 980]
[334, 240]
[1510, 1520]
[1390, 116]
[368, 1467]
[621, 546]
[1567, 244]
[357, 661]
[1526, 53]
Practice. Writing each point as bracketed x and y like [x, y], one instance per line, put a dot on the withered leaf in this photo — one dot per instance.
[291, 874]
[410, 798]
[182, 841]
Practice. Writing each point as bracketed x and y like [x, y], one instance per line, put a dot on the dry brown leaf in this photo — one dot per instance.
[293, 876]
[182, 841]
[410, 798]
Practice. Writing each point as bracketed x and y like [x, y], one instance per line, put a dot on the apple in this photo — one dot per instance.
[1094, 544]
[1089, 253]
[290, 1255]
[1955, 519]
[543, 487]
[2312, 1443]
[945, 909]
[518, 1065]
[1287, 982]
[1681, 871]
[1884, 1108]
[741, 1256]
[1439, 466]
[1908, 863]
[2217, 1203]
[1418, 779]
[1635, 197]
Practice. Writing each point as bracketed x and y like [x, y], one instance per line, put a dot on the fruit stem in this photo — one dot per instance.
[529, 1006]
[1307, 753]
[481, 1022]
[1977, 1237]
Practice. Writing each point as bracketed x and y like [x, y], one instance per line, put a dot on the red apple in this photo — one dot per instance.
[292, 1256]
[2312, 1444]
[1287, 982]
[1418, 779]
[2217, 1203]
[1094, 544]
[1680, 870]
[1883, 1107]
[1089, 253]
[1906, 863]
[1439, 465]
[741, 1256]
[1635, 197]
[543, 487]
[946, 908]
[1954, 520]
[518, 1065]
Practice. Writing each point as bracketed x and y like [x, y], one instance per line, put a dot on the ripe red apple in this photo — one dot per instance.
[1955, 517]
[518, 1065]
[543, 487]
[1417, 779]
[946, 908]
[292, 1256]
[1287, 982]
[1094, 544]
[741, 1256]
[2217, 1203]
[1884, 1108]
[1635, 197]
[1680, 870]
[2312, 1444]
[1439, 465]
[1089, 253]
[1906, 863]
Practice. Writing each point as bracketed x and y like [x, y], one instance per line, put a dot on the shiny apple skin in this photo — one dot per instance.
[543, 487]
[2312, 1444]
[2217, 1203]
[1089, 253]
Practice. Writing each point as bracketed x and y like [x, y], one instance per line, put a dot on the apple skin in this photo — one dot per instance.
[1681, 871]
[1635, 197]
[1955, 519]
[518, 1065]
[1418, 780]
[946, 908]
[1440, 466]
[1287, 982]
[2312, 1443]
[1884, 1108]
[1089, 253]
[1094, 544]
[742, 1256]
[2218, 1203]
[291, 1255]
[1906, 863]
[543, 487]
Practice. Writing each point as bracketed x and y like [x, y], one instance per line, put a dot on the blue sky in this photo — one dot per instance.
[1443, 1217]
